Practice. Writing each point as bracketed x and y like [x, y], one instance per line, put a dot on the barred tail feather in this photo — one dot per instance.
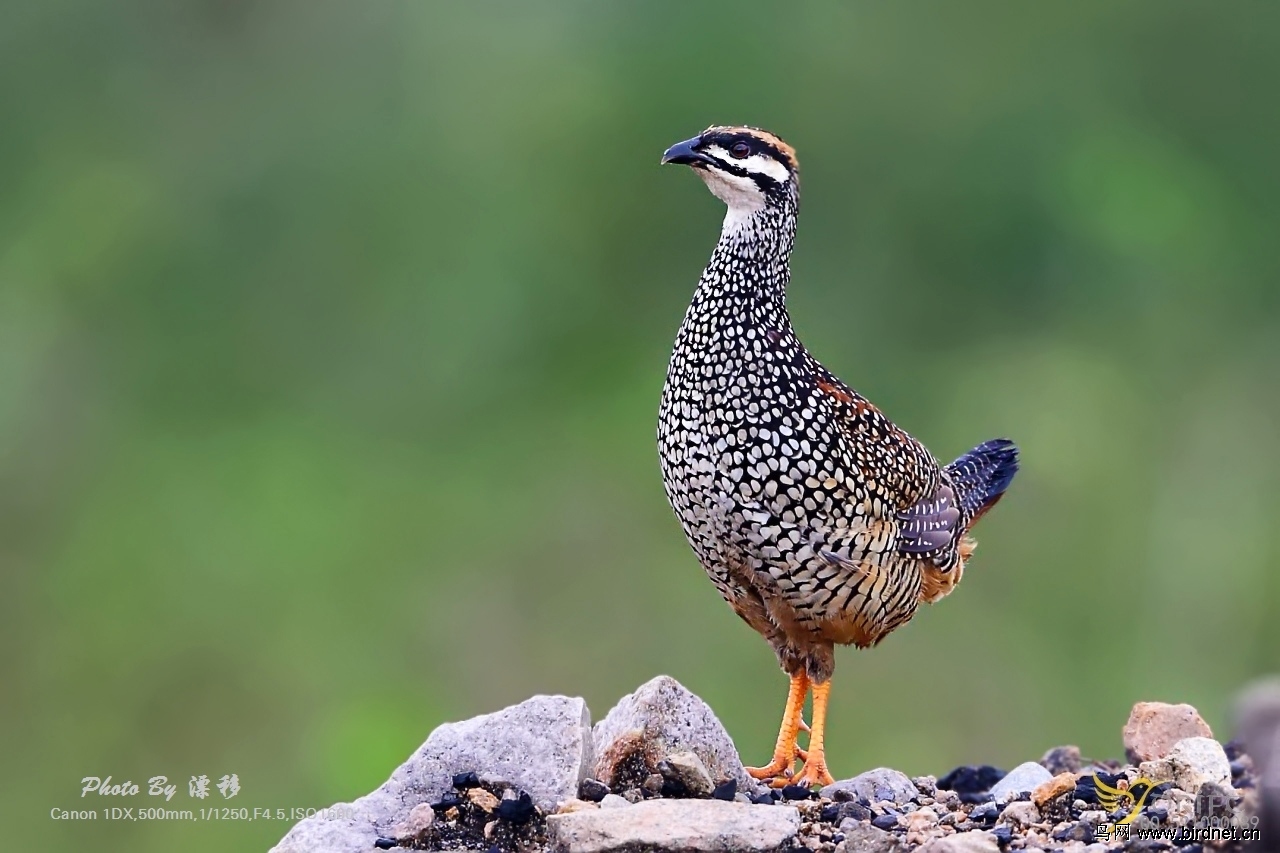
[982, 475]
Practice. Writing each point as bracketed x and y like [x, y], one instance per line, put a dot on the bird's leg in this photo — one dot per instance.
[815, 770]
[784, 752]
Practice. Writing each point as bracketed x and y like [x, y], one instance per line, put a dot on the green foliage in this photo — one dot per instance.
[331, 338]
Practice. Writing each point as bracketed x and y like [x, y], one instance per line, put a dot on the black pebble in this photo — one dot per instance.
[765, 799]
[1237, 768]
[796, 792]
[448, 800]
[593, 790]
[854, 810]
[885, 821]
[1156, 813]
[986, 812]
[1003, 835]
[1234, 748]
[385, 843]
[726, 790]
[463, 781]
[830, 813]
[971, 783]
[1078, 831]
[518, 810]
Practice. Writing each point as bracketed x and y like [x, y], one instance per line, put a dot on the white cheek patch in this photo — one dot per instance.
[760, 164]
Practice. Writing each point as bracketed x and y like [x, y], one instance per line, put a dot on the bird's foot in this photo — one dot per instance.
[814, 773]
[777, 772]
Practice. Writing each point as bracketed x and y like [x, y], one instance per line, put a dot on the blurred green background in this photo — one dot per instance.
[331, 339]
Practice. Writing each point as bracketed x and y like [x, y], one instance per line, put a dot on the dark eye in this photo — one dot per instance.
[740, 150]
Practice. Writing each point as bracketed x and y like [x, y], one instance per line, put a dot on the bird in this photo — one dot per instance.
[817, 519]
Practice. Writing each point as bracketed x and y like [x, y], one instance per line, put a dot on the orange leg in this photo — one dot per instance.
[815, 770]
[784, 752]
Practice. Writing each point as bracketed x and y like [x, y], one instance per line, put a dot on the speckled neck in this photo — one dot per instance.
[746, 279]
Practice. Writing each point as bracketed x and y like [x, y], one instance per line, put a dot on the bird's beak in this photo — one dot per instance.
[687, 153]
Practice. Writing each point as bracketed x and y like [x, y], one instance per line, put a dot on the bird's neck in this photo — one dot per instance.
[746, 279]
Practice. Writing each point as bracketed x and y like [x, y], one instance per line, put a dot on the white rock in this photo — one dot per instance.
[881, 784]
[660, 718]
[542, 746]
[613, 801]
[1024, 778]
[1020, 813]
[689, 826]
[1192, 762]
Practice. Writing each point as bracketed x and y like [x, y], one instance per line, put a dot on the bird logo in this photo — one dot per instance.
[1116, 793]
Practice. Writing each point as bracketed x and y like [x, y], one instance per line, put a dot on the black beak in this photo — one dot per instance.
[686, 153]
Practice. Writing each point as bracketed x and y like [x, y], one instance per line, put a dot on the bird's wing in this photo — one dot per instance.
[912, 489]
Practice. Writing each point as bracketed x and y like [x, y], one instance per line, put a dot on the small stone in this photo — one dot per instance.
[920, 825]
[854, 811]
[576, 805]
[1063, 783]
[385, 843]
[652, 784]
[1078, 831]
[1003, 835]
[633, 795]
[695, 826]
[764, 799]
[517, 808]
[482, 799]
[726, 790]
[1020, 813]
[469, 779]
[926, 785]
[1154, 728]
[879, 784]
[796, 792]
[862, 838]
[593, 790]
[985, 813]
[739, 798]
[1062, 759]
[686, 768]
[419, 820]
[613, 801]
[1093, 816]
[448, 800]
[885, 821]
[975, 841]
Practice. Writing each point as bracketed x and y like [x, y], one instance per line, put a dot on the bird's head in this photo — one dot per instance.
[746, 168]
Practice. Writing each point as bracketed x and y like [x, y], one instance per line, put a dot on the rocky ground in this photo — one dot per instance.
[660, 773]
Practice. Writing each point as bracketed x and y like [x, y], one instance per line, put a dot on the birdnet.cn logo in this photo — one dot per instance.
[1214, 819]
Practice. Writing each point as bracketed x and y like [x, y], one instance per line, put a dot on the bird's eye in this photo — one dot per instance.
[740, 150]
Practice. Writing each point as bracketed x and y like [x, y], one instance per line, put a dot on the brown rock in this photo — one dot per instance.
[482, 798]
[1054, 788]
[1154, 728]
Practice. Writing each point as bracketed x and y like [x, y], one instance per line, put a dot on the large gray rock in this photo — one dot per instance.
[542, 746]
[1023, 779]
[1192, 762]
[659, 719]
[873, 786]
[689, 826]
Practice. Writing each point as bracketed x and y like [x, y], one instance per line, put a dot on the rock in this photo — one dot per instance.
[1155, 727]
[419, 820]
[659, 718]
[974, 841]
[1062, 759]
[542, 746]
[1022, 779]
[592, 790]
[1190, 764]
[1020, 813]
[874, 785]
[653, 784]
[688, 826]
[576, 805]
[985, 812]
[885, 821]
[861, 838]
[613, 801]
[686, 768]
[483, 799]
[1080, 830]
[921, 825]
[728, 790]
[971, 783]
[1057, 786]
[926, 785]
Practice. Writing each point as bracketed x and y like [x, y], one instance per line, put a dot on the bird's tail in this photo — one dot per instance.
[981, 475]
